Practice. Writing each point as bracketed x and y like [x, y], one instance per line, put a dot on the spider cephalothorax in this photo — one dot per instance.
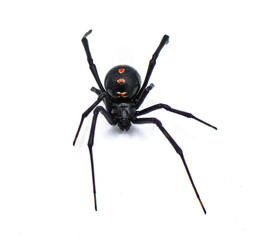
[123, 95]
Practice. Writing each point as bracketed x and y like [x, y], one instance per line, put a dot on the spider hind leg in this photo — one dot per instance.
[176, 147]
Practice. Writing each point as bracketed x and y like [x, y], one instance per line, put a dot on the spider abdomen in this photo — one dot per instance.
[122, 82]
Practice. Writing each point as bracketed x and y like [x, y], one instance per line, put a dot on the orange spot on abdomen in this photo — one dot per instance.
[121, 70]
[121, 94]
[120, 80]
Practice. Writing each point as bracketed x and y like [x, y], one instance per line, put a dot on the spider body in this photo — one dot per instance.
[123, 95]
[122, 84]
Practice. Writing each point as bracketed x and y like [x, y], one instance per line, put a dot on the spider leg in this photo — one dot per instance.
[152, 64]
[90, 61]
[95, 90]
[168, 108]
[143, 96]
[174, 144]
[85, 114]
[90, 143]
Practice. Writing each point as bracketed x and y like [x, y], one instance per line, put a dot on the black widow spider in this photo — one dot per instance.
[123, 95]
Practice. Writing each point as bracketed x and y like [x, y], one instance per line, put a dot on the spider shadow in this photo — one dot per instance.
[133, 132]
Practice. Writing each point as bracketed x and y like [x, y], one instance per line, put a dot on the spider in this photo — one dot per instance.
[122, 95]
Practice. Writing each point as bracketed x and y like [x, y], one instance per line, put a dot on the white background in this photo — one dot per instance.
[143, 189]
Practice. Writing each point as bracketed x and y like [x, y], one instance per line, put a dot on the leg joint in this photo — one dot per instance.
[179, 151]
[165, 106]
[98, 109]
[90, 143]
[157, 122]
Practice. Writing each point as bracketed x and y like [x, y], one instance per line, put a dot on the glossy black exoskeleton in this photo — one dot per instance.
[122, 84]
[123, 95]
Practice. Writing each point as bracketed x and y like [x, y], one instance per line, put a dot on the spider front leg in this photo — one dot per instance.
[152, 64]
[168, 108]
[174, 144]
[91, 142]
[90, 61]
